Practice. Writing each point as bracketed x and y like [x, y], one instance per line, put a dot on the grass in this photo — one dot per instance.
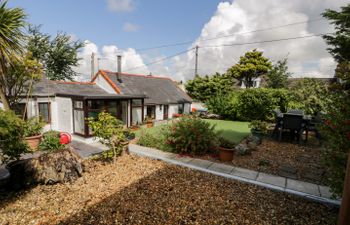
[232, 130]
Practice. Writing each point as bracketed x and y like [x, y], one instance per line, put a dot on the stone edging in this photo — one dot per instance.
[316, 192]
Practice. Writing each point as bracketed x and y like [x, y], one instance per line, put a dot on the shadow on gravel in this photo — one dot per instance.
[176, 195]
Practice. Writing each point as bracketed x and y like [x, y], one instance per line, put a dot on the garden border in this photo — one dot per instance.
[260, 179]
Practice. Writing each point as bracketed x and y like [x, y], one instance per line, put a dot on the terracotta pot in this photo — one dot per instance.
[225, 154]
[33, 142]
[150, 124]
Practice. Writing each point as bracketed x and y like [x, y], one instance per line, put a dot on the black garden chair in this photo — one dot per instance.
[293, 123]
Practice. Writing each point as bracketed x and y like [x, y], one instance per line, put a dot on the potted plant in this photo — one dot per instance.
[226, 149]
[32, 132]
[258, 128]
[149, 122]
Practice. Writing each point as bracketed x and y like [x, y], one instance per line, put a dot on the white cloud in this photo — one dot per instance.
[121, 5]
[106, 58]
[130, 27]
[307, 57]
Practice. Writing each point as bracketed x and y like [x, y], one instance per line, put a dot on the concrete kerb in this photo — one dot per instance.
[133, 149]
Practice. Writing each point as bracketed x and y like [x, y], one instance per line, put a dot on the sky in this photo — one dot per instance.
[130, 27]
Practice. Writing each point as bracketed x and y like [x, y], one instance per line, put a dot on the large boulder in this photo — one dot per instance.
[49, 168]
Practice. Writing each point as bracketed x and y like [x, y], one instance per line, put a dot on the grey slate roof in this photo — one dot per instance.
[46, 88]
[159, 90]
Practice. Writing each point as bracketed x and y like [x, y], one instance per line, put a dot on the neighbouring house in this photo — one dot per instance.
[65, 106]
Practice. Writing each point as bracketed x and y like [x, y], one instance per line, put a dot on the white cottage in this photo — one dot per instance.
[129, 97]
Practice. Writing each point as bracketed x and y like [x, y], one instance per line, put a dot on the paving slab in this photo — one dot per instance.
[302, 186]
[182, 159]
[85, 150]
[222, 168]
[272, 179]
[200, 163]
[240, 172]
[325, 191]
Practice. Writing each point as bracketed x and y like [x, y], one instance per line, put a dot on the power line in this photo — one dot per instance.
[160, 60]
[266, 41]
[229, 35]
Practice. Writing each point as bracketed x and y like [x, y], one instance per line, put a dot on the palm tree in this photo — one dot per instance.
[12, 37]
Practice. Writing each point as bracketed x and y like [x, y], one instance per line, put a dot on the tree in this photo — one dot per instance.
[12, 22]
[250, 66]
[336, 129]
[202, 88]
[278, 76]
[20, 78]
[340, 40]
[58, 55]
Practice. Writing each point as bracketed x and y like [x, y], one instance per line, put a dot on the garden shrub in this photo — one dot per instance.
[110, 132]
[310, 95]
[33, 126]
[258, 103]
[224, 105]
[51, 141]
[157, 141]
[11, 136]
[191, 135]
[336, 134]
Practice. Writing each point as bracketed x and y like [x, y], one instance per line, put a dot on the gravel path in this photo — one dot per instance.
[141, 191]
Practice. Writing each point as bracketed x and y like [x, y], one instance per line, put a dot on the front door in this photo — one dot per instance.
[165, 112]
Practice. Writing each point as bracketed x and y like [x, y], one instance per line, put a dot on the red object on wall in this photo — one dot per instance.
[65, 138]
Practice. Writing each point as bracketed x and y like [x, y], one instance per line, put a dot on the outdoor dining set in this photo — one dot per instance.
[297, 123]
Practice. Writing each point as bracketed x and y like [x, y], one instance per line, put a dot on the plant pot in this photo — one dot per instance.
[33, 142]
[226, 154]
[149, 124]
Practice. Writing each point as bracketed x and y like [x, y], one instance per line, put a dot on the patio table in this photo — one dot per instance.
[306, 121]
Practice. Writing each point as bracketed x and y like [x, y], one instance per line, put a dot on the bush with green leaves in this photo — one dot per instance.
[258, 103]
[225, 143]
[11, 136]
[310, 95]
[51, 141]
[33, 126]
[110, 132]
[224, 105]
[157, 141]
[191, 135]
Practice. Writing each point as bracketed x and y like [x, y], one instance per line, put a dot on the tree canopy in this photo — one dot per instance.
[58, 55]
[339, 42]
[250, 66]
[202, 88]
[278, 76]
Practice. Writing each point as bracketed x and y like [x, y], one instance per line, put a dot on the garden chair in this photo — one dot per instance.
[294, 123]
[314, 123]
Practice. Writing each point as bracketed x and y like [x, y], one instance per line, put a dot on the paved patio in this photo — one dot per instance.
[304, 189]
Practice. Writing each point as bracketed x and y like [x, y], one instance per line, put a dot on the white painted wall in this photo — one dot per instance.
[159, 112]
[102, 83]
[187, 108]
[63, 113]
[173, 108]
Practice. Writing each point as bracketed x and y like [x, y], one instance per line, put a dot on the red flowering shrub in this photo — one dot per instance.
[191, 135]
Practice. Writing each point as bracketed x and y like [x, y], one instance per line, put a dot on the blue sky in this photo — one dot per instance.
[157, 21]
[123, 26]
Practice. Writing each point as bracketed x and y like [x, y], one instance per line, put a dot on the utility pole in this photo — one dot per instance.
[196, 62]
[92, 65]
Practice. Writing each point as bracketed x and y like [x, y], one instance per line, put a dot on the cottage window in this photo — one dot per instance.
[45, 112]
[151, 111]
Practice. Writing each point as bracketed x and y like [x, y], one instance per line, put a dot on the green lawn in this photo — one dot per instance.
[231, 130]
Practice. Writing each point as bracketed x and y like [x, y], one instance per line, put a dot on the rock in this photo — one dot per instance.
[252, 145]
[242, 149]
[49, 168]
[255, 140]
